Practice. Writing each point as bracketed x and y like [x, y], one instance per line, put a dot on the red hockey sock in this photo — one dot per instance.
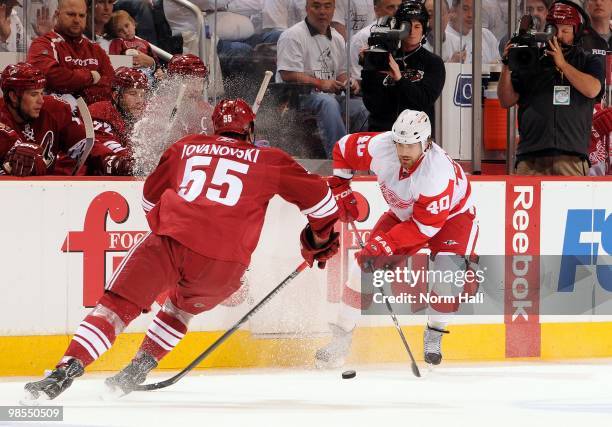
[96, 333]
[164, 333]
[92, 338]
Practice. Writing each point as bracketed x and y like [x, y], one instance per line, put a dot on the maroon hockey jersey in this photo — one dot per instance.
[67, 132]
[210, 193]
[112, 136]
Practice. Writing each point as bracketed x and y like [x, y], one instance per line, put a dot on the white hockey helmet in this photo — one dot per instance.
[412, 127]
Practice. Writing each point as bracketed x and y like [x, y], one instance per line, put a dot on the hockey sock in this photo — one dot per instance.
[97, 332]
[438, 321]
[164, 333]
[353, 300]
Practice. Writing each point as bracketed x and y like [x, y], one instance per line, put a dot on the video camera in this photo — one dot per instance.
[385, 38]
[528, 54]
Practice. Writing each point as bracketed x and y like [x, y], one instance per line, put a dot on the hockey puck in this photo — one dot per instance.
[349, 374]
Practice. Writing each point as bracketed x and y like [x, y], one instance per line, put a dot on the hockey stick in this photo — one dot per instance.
[177, 104]
[262, 91]
[89, 135]
[413, 364]
[225, 336]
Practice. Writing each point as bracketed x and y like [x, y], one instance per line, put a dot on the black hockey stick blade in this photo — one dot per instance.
[225, 336]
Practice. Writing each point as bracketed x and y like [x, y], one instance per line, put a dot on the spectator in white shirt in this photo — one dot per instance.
[360, 40]
[360, 15]
[282, 14]
[313, 53]
[495, 17]
[451, 45]
[11, 28]
[461, 23]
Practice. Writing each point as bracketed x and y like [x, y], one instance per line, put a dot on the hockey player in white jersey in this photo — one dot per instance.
[429, 205]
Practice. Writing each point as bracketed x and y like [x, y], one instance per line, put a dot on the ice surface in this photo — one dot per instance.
[476, 394]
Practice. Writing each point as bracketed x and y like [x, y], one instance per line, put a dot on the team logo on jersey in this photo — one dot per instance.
[393, 199]
[413, 75]
[28, 132]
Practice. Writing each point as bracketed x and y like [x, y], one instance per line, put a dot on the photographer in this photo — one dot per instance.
[555, 97]
[411, 77]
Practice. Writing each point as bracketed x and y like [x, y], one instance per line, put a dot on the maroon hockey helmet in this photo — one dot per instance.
[566, 13]
[126, 77]
[187, 65]
[21, 76]
[233, 116]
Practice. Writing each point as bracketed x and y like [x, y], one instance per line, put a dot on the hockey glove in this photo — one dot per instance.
[118, 165]
[320, 254]
[602, 122]
[377, 253]
[347, 204]
[27, 159]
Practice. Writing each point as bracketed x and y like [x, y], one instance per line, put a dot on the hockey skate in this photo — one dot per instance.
[133, 374]
[334, 354]
[56, 382]
[432, 339]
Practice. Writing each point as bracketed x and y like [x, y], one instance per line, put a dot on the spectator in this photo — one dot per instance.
[113, 121]
[415, 79]
[598, 37]
[40, 18]
[451, 44]
[360, 15]
[237, 50]
[282, 14]
[460, 24]
[73, 65]
[182, 20]
[122, 28]
[35, 128]
[360, 40]
[12, 33]
[103, 10]
[538, 9]
[312, 52]
[555, 136]
[143, 14]
[494, 17]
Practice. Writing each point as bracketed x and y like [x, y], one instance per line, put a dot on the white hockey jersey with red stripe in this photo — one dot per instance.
[423, 198]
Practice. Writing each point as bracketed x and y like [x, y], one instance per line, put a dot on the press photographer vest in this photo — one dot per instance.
[548, 128]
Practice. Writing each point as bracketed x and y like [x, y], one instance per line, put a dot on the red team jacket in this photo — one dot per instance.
[210, 193]
[67, 62]
[55, 117]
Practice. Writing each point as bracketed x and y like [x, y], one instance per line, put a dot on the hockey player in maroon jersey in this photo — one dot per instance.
[72, 64]
[34, 128]
[195, 114]
[206, 203]
[113, 120]
[430, 203]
